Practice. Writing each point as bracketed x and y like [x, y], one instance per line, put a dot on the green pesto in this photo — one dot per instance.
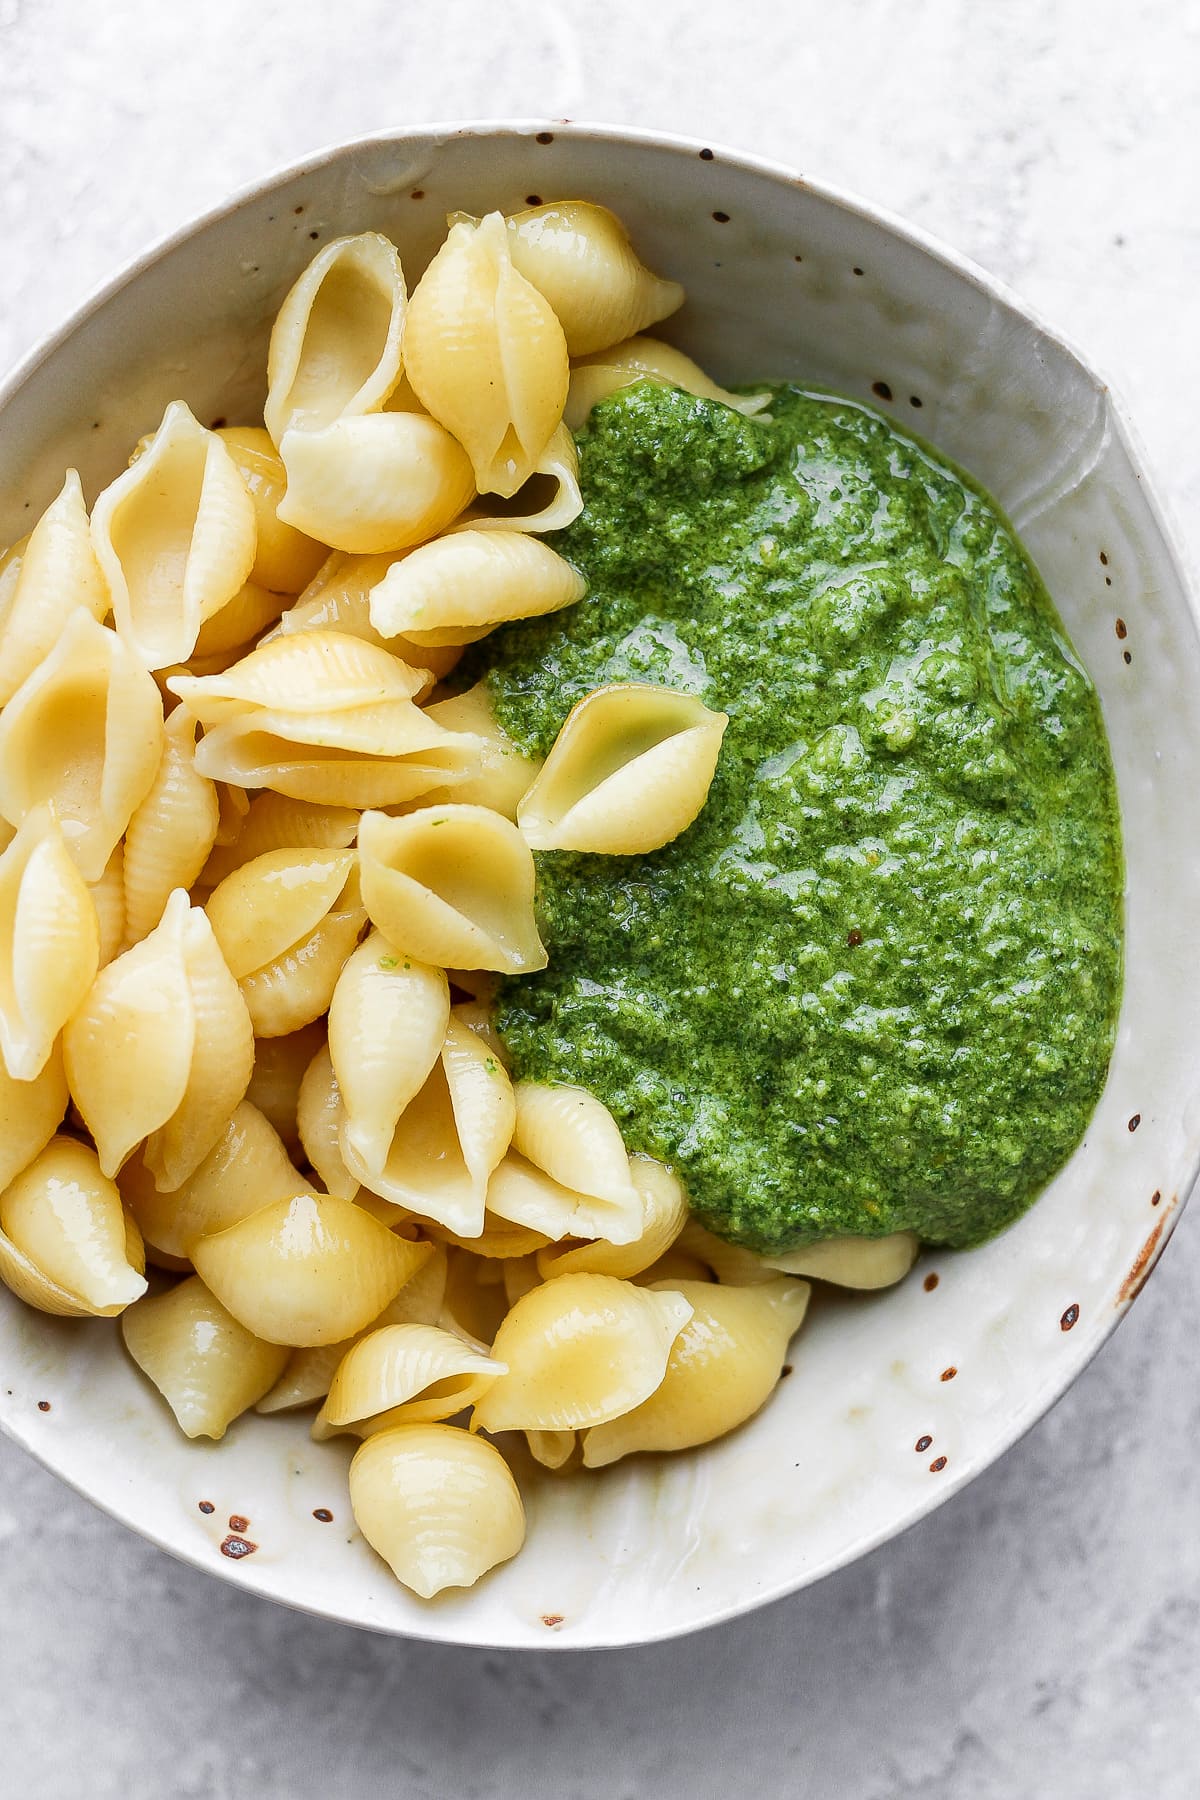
[875, 985]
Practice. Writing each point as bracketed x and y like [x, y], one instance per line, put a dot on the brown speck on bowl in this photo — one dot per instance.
[1070, 1317]
[323, 1514]
[237, 1547]
[786, 1370]
[1143, 1262]
[417, 194]
[949, 1374]
[857, 270]
[722, 218]
[206, 1506]
[238, 1523]
[544, 137]
[1122, 629]
[1156, 1196]
[922, 1444]
[882, 389]
[706, 156]
[937, 1465]
[915, 400]
[553, 1620]
[1128, 655]
[1135, 1121]
[43, 1406]
[533, 199]
[931, 1281]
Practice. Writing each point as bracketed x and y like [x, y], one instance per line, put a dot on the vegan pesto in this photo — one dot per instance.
[875, 985]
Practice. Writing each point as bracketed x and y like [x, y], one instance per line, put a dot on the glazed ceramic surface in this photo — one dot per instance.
[898, 1399]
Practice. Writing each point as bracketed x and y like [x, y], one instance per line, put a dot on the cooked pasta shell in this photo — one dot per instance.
[175, 538]
[172, 831]
[569, 1134]
[552, 1449]
[108, 897]
[404, 1375]
[259, 911]
[30, 1114]
[499, 1241]
[387, 1025]
[732, 1264]
[853, 1262]
[338, 599]
[558, 468]
[452, 885]
[279, 1066]
[84, 731]
[664, 1214]
[310, 1270]
[49, 943]
[319, 1117]
[723, 1365]
[65, 1219]
[310, 1371]
[459, 588]
[503, 776]
[246, 1167]
[277, 822]
[377, 483]
[580, 1349]
[407, 755]
[232, 631]
[475, 1303]
[42, 581]
[578, 255]
[309, 673]
[284, 558]
[486, 355]
[335, 344]
[296, 987]
[630, 769]
[233, 805]
[439, 1506]
[207, 1367]
[646, 359]
[673, 1266]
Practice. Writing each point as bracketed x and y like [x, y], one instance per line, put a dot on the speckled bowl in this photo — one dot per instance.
[896, 1400]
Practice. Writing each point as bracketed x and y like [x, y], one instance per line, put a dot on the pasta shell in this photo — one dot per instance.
[853, 1262]
[630, 769]
[504, 775]
[247, 1166]
[338, 599]
[459, 588]
[233, 805]
[452, 885]
[664, 1214]
[580, 1349]
[674, 1266]
[85, 731]
[499, 1241]
[732, 1264]
[578, 255]
[65, 1219]
[279, 1066]
[319, 1117]
[49, 943]
[108, 897]
[381, 482]
[269, 904]
[404, 1375]
[475, 1302]
[175, 538]
[310, 1270]
[231, 631]
[172, 831]
[486, 355]
[335, 344]
[207, 1367]
[42, 581]
[646, 359]
[30, 1114]
[723, 1366]
[296, 987]
[309, 673]
[439, 1506]
[558, 465]
[387, 1024]
[310, 1371]
[277, 822]
[284, 558]
[552, 1449]
[407, 754]
[569, 1134]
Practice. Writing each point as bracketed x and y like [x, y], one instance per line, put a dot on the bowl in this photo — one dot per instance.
[898, 1399]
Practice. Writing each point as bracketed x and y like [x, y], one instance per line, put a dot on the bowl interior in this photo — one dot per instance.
[783, 280]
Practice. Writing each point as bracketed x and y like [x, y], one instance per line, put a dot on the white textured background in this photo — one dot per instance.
[1041, 1635]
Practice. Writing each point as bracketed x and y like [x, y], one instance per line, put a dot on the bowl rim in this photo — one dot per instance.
[848, 201]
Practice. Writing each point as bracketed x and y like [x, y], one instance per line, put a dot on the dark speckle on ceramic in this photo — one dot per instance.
[553, 1620]
[238, 1523]
[1070, 1317]
[237, 1547]
[949, 1374]
[206, 1506]
[931, 1281]
[1135, 1121]
[937, 1465]
[1122, 628]
[922, 1444]
[1143, 1262]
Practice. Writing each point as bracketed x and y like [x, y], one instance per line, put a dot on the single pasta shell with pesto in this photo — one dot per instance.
[580, 1350]
[42, 580]
[664, 1214]
[381, 482]
[456, 590]
[72, 1240]
[486, 355]
[439, 1506]
[853, 1262]
[404, 1375]
[207, 1367]
[579, 257]
[311, 1269]
[723, 1365]
[452, 885]
[630, 769]
[49, 942]
[335, 344]
[646, 359]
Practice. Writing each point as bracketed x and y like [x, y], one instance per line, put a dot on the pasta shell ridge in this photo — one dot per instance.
[462, 585]
[377, 483]
[49, 943]
[43, 582]
[207, 1367]
[639, 358]
[578, 255]
[65, 1219]
[403, 1374]
[171, 833]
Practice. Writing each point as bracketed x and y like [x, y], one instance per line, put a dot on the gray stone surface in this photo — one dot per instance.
[1040, 1634]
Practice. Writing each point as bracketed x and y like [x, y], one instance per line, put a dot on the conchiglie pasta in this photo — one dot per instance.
[853, 1262]
[231, 632]
[108, 897]
[310, 1270]
[664, 1213]
[475, 1303]
[377, 483]
[404, 1375]
[284, 558]
[310, 673]
[279, 1066]
[452, 885]
[486, 355]
[572, 1137]
[504, 775]
[440, 1507]
[458, 589]
[64, 1220]
[723, 1366]
[49, 943]
[30, 1113]
[630, 769]
[646, 359]
[579, 257]
[580, 1349]
[338, 599]
[172, 831]
[319, 1116]
[335, 345]
[293, 987]
[84, 731]
[175, 538]
[557, 466]
[207, 1367]
[42, 581]
[277, 822]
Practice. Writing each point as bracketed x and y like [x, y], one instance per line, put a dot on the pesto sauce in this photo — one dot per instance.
[875, 985]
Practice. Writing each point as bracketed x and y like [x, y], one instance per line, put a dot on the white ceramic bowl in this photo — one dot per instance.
[896, 1400]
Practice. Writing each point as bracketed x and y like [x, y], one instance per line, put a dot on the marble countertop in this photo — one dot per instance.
[1038, 1635]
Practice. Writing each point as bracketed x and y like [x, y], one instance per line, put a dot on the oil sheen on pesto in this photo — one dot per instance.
[875, 984]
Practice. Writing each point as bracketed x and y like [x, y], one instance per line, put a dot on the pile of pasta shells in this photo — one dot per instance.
[263, 866]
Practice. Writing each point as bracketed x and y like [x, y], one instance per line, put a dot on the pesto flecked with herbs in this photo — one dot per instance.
[874, 986]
